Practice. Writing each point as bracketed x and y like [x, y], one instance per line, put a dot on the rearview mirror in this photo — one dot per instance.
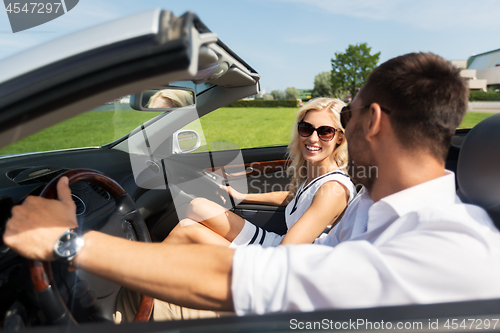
[162, 99]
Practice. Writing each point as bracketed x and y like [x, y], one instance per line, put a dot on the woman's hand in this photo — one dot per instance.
[280, 198]
[232, 192]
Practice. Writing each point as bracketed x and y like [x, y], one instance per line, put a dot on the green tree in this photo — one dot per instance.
[268, 97]
[350, 69]
[322, 85]
[278, 94]
[291, 93]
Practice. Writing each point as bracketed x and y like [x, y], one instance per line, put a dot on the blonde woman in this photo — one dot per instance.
[319, 190]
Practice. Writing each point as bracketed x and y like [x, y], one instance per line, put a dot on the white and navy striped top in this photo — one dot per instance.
[304, 196]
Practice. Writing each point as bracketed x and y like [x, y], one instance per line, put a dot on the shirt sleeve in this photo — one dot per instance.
[329, 239]
[268, 280]
[358, 274]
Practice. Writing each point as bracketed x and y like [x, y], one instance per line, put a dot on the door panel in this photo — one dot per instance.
[270, 218]
[267, 174]
[269, 169]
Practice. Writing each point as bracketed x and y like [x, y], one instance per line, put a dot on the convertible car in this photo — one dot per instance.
[130, 113]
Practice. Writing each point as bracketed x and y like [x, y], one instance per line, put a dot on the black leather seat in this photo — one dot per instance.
[478, 170]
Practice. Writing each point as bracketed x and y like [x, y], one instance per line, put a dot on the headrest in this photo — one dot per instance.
[478, 170]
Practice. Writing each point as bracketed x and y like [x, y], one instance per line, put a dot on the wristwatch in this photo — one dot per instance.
[68, 245]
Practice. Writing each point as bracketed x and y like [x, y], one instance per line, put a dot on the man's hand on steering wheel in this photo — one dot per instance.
[39, 222]
[36, 224]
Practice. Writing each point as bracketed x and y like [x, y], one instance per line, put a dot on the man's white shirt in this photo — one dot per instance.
[420, 245]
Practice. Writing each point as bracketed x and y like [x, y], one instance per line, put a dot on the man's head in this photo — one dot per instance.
[426, 100]
[426, 96]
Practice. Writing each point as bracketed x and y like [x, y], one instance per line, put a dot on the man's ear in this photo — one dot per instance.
[374, 121]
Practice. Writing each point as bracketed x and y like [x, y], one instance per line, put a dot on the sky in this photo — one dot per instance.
[288, 42]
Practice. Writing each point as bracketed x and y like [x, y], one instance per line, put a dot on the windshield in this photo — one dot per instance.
[94, 128]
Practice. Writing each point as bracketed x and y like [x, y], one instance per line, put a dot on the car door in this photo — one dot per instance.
[250, 161]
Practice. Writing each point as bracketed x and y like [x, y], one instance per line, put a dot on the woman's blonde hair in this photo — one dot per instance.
[179, 98]
[297, 168]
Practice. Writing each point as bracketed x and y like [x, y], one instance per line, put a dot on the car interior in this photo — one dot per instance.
[138, 186]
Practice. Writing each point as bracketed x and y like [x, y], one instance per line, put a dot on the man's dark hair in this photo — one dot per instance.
[426, 96]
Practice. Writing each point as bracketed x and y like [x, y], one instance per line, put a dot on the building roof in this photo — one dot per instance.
[484, 60]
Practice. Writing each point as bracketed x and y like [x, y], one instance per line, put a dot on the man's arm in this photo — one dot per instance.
[197, 276]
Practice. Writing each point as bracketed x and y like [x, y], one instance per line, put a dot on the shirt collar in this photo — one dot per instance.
[388, 209]
[439, 190]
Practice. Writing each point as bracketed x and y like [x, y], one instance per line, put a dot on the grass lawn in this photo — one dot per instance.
[87, 129]
[472, 118]
[248, 127]
[242, 127]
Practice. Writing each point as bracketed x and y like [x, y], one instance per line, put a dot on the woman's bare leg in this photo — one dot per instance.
[189, 231]
[207, 223]
[215, 217]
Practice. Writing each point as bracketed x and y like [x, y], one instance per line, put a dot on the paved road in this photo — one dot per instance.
[484, 107]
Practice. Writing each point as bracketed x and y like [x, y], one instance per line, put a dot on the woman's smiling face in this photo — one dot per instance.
[312, 147]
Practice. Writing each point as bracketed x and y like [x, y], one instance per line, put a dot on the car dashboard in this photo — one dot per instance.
[28, 174]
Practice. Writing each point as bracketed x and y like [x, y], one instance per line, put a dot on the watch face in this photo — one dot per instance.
[68, 245]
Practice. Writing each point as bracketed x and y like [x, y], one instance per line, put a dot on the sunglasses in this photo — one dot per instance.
[345, 113]
[325, 133]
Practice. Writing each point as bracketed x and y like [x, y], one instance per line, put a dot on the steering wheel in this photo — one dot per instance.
[125, 213]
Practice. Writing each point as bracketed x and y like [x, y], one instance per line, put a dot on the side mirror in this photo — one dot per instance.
[185, 141]
[162, 99]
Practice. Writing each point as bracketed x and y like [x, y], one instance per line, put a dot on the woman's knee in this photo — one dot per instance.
[199, 208]
[179, 233]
